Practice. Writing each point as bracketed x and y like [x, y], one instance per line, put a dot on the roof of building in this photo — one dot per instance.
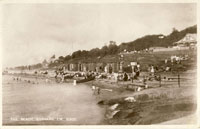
[189, 38]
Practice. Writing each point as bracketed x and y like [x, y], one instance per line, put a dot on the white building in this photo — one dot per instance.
[188, 40]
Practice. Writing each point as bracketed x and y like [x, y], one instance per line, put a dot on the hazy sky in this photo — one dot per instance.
[33, 32]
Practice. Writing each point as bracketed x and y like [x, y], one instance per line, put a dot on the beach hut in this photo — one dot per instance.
[84, 67]
[91, 66]
[100, 67]
[73, 67]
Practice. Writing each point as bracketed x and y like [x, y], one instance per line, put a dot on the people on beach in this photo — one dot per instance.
[166, 61]
[17, 78]
[145, 81]
[125, 77]
[63, 77]
[136, 71]
[96, 90]
[132, 76]
[152, 70]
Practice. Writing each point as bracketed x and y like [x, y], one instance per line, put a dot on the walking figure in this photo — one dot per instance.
[98, 90]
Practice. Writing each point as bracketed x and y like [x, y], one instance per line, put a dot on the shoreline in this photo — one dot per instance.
[48, 100]
[155, 100]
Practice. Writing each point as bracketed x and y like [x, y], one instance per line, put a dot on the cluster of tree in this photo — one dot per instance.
[110, 49]
[138, 44]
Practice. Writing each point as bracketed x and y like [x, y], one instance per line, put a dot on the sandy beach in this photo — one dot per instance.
[154, 105]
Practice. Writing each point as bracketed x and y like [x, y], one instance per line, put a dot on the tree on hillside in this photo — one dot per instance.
[104, 50]
[173, 37]
[138, 44]
[85, 53]
[174, 30]
[61, 59]
[76, 54]
[67, 58]
[53, 57]
[44, 61]
[122, 47]
[94, 52]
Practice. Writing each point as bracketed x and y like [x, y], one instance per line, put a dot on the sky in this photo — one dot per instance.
[34, 32]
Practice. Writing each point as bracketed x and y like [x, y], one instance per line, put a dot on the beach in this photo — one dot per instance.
[154, 105]
[40, 102]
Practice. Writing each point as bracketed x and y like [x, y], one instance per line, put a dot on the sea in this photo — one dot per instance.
[36, 102]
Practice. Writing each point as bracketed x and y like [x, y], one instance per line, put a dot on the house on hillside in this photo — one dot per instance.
[188, 40]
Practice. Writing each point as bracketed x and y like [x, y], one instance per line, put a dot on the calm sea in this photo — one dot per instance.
[48, 103]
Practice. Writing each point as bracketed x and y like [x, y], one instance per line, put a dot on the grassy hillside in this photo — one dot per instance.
[155, 41]
[138, 44]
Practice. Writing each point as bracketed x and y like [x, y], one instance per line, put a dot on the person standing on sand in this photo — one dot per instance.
[94, 90]
[63, 77]
[98, 90]
[152, 70]
[125, 76]
[166, 61]
[132, 76]
[56, 74]
[136, 72]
